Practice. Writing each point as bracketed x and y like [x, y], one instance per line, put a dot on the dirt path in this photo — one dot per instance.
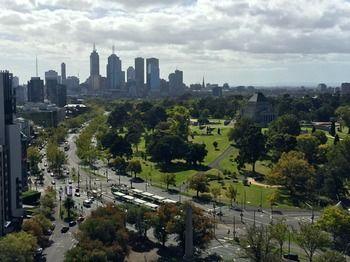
[216, 162]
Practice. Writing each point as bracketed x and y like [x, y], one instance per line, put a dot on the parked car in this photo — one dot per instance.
[53, 182]
[80, 219]
[64, 229]
[72, 223]
[77, 194]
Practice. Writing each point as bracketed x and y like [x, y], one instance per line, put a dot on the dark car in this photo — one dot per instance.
[64, 229]
[72, 223]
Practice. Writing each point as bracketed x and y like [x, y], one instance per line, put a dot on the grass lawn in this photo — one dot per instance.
[208, 140]
[228, 163]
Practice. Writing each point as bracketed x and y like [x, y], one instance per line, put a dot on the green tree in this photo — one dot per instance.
[169, 179]
[17, 247]
[336, 139]
[294, 173]
[279, 231]
[321, 136]
[249, 141]
[161, 220]
[179, 119]
[282, 133]
[257, 244]
[215, 190]
[332, 131]
[311, 238]
[199, 183]
[102, 237]
[68, 205]
[216, 144]
[343, 113]
[140, 218]
[231, 193]
[134, 166]
[329, 255]
[120, 165]
[202, 227]
[34, 158]
[195, 153]
[308, 145]
[336, 221]
[55, 157]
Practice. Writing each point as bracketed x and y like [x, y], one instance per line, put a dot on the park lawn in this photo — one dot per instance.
[228, 163]
[151, 172]
[208, 140]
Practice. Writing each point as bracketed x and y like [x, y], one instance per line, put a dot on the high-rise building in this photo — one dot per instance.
[176, 84]
[139, 73]
[15, 81]
[130, 74]
[63, 73]
[114, 72]
[21, 94]
[153, 80]
[56, 93]
[94, 63]
[11, 210]
[36, 90]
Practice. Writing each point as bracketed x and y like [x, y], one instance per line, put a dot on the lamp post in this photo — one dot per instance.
[312, 212]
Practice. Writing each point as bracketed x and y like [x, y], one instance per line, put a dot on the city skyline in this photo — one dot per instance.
[259, 44]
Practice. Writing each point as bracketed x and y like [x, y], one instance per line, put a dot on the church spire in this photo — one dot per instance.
[203, 84]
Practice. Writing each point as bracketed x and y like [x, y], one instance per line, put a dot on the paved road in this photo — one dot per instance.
[63, 242]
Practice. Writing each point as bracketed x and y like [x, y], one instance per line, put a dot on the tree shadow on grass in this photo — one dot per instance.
[175, 167]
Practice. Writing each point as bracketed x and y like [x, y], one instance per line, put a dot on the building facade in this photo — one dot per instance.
[11, 211]
[35, 90]
[114, 72]
[153, 79]
[259, 110]
[139, 73]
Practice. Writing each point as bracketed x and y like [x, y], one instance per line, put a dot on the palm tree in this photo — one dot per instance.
[68, 205]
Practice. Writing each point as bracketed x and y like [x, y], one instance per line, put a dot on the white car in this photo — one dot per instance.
[51, 174]
[53, 182]
[77, 194]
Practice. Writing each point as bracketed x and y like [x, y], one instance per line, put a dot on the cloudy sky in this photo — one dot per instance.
[260, 42]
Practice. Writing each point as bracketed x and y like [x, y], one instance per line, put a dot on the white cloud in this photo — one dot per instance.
[200, 37]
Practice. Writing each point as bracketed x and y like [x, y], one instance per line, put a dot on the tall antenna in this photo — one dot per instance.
[94, 47]
[36, 65]
[113, 49]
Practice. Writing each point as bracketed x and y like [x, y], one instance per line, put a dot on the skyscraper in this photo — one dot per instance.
[153, 80]
[36, 90]
[130, 74]
[114, 72]
[63, 73]
[94, 63]
[176, 84]
[139, 73]
[56, 93]
[10, 156]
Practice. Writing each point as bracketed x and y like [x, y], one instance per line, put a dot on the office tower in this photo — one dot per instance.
[72, 84]
[36, 90]
[21, 94]
[130, 74]
[15, 81]
[139, 73]
[114, 72]
[56, 93]
[153, 80]
[63, 73]
[51, 82]
[176, 85]
[94, 63]
[11, 209]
